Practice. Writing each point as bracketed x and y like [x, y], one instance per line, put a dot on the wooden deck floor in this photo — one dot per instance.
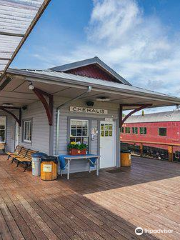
[87, 207]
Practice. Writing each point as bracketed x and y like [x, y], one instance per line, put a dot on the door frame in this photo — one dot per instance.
[114, 140]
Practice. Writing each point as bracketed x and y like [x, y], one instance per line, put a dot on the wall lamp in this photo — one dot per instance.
[31, 87]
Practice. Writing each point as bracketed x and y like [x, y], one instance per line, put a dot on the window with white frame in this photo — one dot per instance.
[79, 131]
[27, 131]
[2, 129]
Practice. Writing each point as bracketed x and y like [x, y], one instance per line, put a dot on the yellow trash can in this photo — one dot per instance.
[125, 158]
[49, 168]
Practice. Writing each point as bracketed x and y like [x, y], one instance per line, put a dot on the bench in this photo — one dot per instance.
[21, 155]
[2, 147]
[15, 153]
[25, 158]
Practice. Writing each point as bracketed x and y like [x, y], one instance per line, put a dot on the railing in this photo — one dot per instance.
[146, 149]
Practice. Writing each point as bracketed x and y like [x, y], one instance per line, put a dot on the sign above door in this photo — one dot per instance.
[88, 110]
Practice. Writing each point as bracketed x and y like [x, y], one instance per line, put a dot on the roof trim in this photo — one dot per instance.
[87, 62]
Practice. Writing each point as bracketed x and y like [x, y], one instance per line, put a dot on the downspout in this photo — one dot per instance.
[58, 115]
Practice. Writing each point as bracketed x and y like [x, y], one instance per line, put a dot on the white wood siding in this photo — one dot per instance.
[94, 119]
[40, 128]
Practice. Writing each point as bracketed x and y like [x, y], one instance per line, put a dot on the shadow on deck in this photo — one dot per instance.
[143, 170]
[108, 207]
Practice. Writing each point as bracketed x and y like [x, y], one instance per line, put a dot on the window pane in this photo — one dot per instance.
[73, 132]
[2, 120]
[143, 130]
[84, 132]
[72, 139]
[106, 126]
[127, 130]
[79, 132]
[2, 135]
[27, 131]
[110, 126]
[162, 132]
[84, 124]
[134, 130]
[30, 131]
[85, 140]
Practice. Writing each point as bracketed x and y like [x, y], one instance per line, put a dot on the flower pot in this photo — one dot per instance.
[74, 151]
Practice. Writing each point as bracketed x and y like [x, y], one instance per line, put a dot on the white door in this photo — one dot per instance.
[107, 144]
[16, 135]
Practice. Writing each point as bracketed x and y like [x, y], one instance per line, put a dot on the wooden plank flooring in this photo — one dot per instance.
[88, 207]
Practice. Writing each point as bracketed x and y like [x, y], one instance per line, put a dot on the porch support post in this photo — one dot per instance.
[141, 149]
[7, 110]
[48, 105]
[120, 116]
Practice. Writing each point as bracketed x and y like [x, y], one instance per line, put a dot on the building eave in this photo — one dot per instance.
[79, 81]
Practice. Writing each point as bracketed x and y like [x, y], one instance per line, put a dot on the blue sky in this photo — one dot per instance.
[140, 39]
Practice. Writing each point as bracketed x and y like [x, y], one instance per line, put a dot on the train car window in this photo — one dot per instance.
[134, 130]
[162, 131]
[143, 130]
[122, 129]
[127, 130]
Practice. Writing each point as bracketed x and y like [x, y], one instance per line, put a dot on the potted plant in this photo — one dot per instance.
[77, 148]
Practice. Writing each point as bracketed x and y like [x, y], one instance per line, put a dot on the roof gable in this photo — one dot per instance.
[93, 71]
[92, 67]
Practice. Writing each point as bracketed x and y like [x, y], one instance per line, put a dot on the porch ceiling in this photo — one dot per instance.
[18, 93]
[17, 19]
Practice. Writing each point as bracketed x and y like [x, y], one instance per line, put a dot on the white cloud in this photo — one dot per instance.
[140, 48]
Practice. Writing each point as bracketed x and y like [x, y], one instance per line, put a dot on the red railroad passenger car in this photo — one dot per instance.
[159, 128]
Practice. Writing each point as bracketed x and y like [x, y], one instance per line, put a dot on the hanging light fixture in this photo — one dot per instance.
[103, 99]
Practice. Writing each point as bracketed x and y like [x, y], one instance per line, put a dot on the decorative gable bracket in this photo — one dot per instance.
[48, 105]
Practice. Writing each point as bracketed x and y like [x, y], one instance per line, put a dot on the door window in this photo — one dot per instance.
[106, 130]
